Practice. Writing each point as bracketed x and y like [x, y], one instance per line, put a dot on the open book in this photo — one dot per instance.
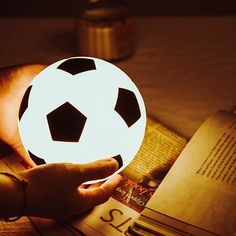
[198, 195]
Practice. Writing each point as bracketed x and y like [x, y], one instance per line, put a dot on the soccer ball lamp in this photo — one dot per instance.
[79, 110]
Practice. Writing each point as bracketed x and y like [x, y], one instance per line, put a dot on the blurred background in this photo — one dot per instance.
[68, 8]
[182, 56]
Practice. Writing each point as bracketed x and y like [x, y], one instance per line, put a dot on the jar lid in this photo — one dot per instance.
[105, 11]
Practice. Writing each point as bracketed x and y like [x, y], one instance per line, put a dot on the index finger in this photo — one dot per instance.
[100, 169]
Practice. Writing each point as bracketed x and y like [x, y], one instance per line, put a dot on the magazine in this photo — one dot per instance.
[198, 195]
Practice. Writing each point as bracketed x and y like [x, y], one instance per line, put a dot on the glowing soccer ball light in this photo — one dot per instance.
[79, 110]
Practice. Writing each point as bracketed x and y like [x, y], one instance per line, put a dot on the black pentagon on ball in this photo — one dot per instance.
[24, 102]
[118, 158]
[127, 106]
[77, 65]
[37, 160]
[66, 123]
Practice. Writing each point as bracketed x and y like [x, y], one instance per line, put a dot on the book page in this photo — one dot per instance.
[200, 188]
[158, 152]
[162, 145]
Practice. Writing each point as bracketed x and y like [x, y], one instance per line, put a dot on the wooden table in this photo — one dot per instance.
[185, 68]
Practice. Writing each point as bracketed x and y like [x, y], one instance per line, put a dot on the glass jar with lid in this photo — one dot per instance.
[106, 30]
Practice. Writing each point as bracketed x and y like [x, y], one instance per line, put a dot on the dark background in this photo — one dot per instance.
[69, 8]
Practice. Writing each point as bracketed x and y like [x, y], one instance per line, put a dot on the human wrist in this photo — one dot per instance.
[13, 198]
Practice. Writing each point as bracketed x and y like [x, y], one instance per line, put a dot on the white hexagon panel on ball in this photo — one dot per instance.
[82, 109]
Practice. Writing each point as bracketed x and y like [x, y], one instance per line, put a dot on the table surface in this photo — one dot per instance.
[185, 68]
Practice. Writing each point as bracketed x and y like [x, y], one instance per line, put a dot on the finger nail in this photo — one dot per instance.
[112, 161]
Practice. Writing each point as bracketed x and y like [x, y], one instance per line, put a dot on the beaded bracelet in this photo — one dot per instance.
[22, 183]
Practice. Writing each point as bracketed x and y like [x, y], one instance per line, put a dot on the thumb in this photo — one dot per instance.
[24, 155]
[95, 170]
[18, 147]
[97, 195]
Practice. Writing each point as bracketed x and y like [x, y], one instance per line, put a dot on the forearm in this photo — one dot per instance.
[11, 197]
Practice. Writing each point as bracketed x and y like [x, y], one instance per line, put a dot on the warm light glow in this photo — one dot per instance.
[94, 93]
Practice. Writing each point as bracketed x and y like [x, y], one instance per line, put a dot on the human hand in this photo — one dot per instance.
[13, 84]
[55, 190]
[52, 189]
